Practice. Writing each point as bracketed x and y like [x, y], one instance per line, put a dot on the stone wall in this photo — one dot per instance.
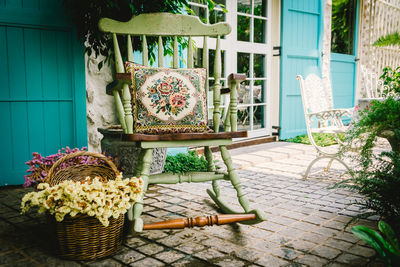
[326, 46]
[100, 106]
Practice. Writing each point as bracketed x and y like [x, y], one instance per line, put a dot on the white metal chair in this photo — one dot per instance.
[321, 117]
[371, 86]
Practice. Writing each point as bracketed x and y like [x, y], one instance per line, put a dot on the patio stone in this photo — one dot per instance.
[362, 251]
[286, 253]
[304, 226]
[209, 254]
[150, 249]
[105, 263]
[352, 260]
[338, 244]
[128, 256]
[229, 262]
[169, 256]
[325, 252]
[312, 260]
[147, 262]
[269, 260]
[301, 245]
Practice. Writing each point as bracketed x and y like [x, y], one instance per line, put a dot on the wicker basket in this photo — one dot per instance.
[83, 237]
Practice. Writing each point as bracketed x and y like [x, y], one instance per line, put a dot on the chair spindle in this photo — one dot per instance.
[176, 53]
[145, 52]
[217, 85]
[190, 54]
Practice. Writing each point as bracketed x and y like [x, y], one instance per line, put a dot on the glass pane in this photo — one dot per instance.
[259, 68]
[243, 6]
[212, 82]
[243, 118]
[200, 12]
[258, 91]
[219, 2]
[244, 93]
[343, 24]
[243, 63]
[243, 29]
[260, 8]
[258, 117]
[216, 16]
[198, 58]
[210, 98]
[211, 59]
[259, 31]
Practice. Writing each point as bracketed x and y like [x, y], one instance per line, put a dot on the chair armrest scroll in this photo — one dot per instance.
[339, 112]
[117, 84]
[238, 77]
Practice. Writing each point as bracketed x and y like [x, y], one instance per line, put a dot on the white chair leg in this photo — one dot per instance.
[305, 176]
[307, 173]
[328, 166]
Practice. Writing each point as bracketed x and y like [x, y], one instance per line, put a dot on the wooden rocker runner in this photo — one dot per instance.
[161, 25]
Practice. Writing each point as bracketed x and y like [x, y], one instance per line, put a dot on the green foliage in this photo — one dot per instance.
[185, 162]
[391, 81]
[376, 120]
[321, 139]
[386, 246]
[85, 15]
[389, 39]
[377, 177]
[378, 183]
[343, 12]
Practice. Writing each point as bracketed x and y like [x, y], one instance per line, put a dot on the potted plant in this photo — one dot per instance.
[86, 203]
[39, 166]
[88, 214]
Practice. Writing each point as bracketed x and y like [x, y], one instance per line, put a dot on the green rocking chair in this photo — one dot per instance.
[174, 25]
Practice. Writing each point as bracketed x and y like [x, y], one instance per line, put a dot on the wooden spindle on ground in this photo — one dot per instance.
[200, 221]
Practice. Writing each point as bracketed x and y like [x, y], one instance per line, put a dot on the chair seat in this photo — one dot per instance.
[330, 129]
[183, 136]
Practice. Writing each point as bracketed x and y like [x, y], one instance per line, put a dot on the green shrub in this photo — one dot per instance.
[321, 139]
[185, 163]
[379, 184]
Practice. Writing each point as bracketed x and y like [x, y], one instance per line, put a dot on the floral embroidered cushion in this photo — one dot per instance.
[168, 100]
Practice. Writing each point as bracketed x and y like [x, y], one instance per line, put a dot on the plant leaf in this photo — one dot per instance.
[371, 237]
[390, 236]
[389, 39]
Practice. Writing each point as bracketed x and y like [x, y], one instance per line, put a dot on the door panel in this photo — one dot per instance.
[301, 39]
[42, 86]
[343, 80]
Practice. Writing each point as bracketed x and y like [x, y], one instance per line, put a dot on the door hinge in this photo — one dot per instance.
[279, 51]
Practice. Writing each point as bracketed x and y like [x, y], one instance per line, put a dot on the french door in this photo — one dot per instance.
[247, 49]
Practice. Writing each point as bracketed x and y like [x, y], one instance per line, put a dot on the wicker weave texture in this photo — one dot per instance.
[107, 170]
[83, 237]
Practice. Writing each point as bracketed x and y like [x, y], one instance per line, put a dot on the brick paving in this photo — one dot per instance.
[305, 225]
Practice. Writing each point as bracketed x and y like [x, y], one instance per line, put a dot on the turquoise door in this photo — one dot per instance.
[301, 42]
[343, 47]
[42, 85]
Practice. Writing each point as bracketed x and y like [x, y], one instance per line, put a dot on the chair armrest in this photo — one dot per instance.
[238, 77]
[118, 83]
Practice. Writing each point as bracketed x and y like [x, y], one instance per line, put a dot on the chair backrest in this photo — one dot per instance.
[316, 95]
[165, 25]
[371, 85]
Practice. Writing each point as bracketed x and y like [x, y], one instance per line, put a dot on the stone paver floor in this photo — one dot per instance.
[305, 225]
